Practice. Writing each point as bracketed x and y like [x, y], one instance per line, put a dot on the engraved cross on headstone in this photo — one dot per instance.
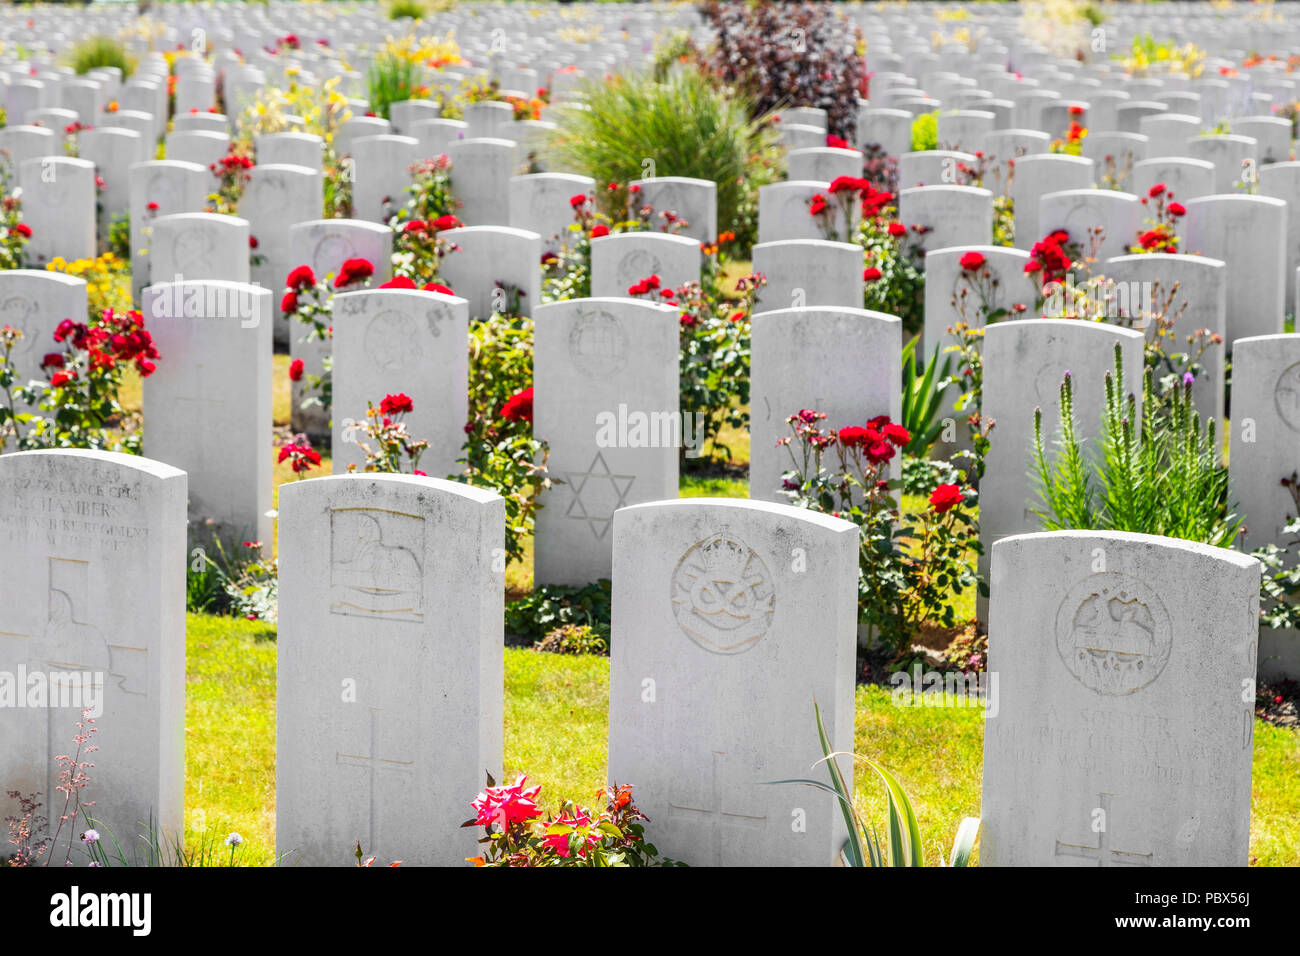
[376, 765]
[716, 817]
[1102, 852]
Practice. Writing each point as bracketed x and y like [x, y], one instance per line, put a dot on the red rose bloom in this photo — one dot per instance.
[63, 378]
[1156, 190]
[446, 222]
[972, 261]
[415, 225]
[435, 287]
[945, 498]
[52, 360]
[399, 282]
[289, 303]
[579, 200]
[897, 434]
[252, 242]
[818, 205]
[834, 142]
[519, 408]
[301, 278]
[897, 230]
[1177, 209]
[880, 452]
[295, 370]
[871, 274]
[599, 230]
[152, 207]
[23, 230]
[353, 271]
[853, 436]
[396, 404]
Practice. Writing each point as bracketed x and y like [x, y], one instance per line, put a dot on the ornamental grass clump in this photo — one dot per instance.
[1157, 470]
[689, 125]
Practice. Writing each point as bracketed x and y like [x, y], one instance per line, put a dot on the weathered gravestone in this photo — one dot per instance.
[1248, 233]
[160, 188]
[35, 302]
[276, 199]
[199, 245]
[1102, 222]
[1191, 290]
[325, 244]
[606, 399]
[949, 216]
[692, 200]
[59, 206]
[730, 619]
[808, 272]
[493, 264]
[1126, 667]
[542, 203]
[480, 179]
[1265, 438]
[401, 340]
[841, 361]
[783, 211]
[1035, 177]
[618, 261]
[390, 668]
[207, 406]
[957, 289]
[94, 543]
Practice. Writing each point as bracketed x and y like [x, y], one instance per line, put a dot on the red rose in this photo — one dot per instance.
[1177, 209]
[289, 304]
[897, 434]
[842, 184]
[63, 378]
[897, 230]
[252, 242]
[23, 230]
[446, 222]
[435, 287]
[578, 200]
[295, 370]
[818, 205]
[972, 261]
[519, 408]
[834, 142]
[945, 498]
[871, 274]
[52, 360]
[353, 271]
[152, 207]
[301, 278]
[880, 452]
[400, 282]
[738, 315]
[853, 436]
[396, 404]
[599, 230]
[415, 225]
[1156, 190]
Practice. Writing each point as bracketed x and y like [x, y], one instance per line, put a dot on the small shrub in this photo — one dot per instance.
[925, 133]
[96, 51]
[790, 54]
[391, 79]
[555, 605]
[575, 639]
[406, 9]
[689, 125]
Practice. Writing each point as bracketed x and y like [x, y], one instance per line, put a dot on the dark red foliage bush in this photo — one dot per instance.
[790, 54]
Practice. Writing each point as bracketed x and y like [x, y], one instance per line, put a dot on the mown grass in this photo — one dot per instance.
[556, 732]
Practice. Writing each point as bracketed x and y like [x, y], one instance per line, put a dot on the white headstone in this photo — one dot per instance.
[390, 625]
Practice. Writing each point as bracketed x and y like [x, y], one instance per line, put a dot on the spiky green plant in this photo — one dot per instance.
[688, 125]
[390, 80]
[863, 847]
[923, 399]
[96, 51]
[1158, 470]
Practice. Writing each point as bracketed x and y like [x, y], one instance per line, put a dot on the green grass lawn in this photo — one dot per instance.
[556, 732]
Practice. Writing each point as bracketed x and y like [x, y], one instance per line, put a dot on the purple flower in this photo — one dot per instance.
[1188, 378]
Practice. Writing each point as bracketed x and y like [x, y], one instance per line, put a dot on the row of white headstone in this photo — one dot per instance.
[1119, 679]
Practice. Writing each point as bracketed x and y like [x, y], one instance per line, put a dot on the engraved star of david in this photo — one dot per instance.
[597, 471]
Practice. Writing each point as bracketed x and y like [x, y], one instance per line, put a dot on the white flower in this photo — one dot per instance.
[95, 863]
[234, 840]
[90, 836]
